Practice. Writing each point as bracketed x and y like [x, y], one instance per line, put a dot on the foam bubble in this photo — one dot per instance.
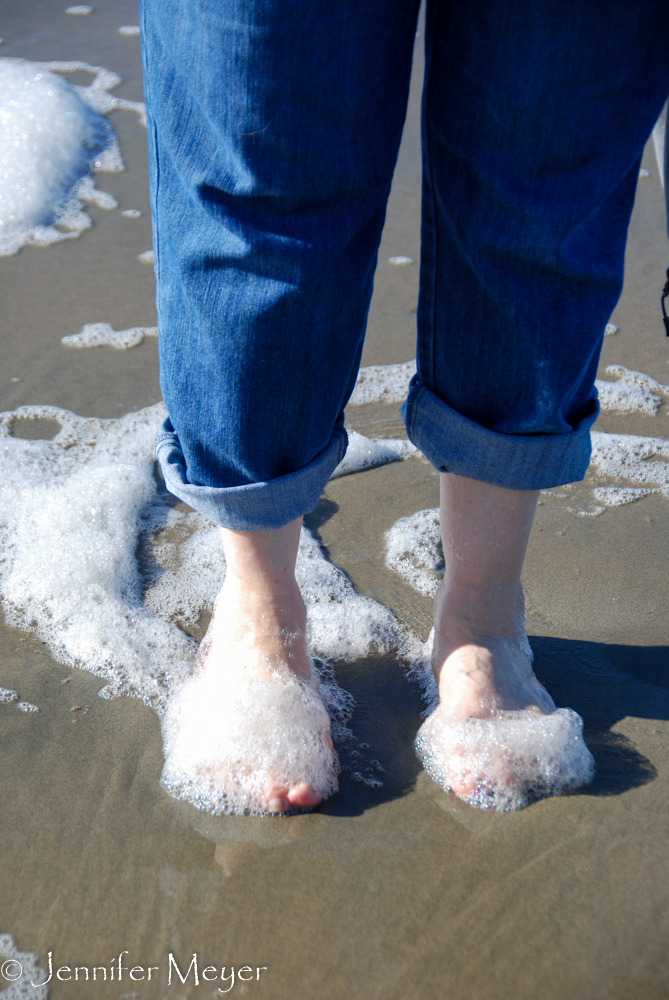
[227, 740]
[71, 516]
[400, 261]
[104, 335]
[27, 971]
[129, 30]
[73, 511]
[131, 213]
[610, 329]
[382, 384]
[623, 468]
[80, 11]
[628, 457]
[616, 496]
[367, 453]
[146, 258]
[53, 135]
[189, 570]
[7, 696]
[27, 707]
[414, 550]
[633, 393]
[49, 135]
[513, 757]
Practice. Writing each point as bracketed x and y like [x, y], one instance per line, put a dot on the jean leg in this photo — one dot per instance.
[273, 134]
[535, 118]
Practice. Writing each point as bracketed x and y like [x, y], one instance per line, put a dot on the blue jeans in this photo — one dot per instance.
[274, 127]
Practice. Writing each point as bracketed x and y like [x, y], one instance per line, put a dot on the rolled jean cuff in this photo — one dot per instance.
[256, 506]
[454, 443]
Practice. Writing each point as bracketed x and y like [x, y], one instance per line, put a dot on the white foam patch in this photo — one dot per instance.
[414, 550]
[147, 257]
[512, 758]
[228, 741]
[7, 696]
[367, 453]
[617, 496]
[637, 461]
[104, 335]
[382, 384]
[21, 972]
[52, 137]
[73, 511]
[189, 570]
[79, 11]
[623, 468]
[400, 261]
[129, 30]
[131, 213]
[633, 393]
[610, 329]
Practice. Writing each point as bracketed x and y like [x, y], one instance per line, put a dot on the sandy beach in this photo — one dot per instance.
[397, 892]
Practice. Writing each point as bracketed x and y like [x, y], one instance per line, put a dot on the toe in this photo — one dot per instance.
[303, 796]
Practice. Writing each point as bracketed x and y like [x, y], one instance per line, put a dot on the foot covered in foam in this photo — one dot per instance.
[250, 733]
[506, 761]
[494, 736]
[249, 746]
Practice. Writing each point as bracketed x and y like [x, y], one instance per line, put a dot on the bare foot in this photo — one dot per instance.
[250, 728]
[482, 663]
[495, 738]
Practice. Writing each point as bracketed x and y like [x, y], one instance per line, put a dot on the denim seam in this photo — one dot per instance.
[430, 34]
[154, 134]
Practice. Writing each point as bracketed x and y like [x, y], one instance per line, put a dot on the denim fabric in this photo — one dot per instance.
[273, 134]
[256, 506]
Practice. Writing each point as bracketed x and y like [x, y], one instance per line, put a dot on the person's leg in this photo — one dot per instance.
[273, 134]
[480, 659]
[260, 624]
[535, 118]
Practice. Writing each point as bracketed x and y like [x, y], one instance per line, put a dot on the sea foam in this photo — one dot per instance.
[367, 453]
[21, 971]
[228, 741]
[509, 759]
[104, 335]
[414, 550]
[52, 137]
[634, 392]
[382, 383]
[74, 513]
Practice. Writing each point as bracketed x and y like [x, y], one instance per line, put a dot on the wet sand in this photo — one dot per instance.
[398, 893]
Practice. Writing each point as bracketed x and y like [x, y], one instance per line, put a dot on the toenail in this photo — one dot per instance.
[275, 806]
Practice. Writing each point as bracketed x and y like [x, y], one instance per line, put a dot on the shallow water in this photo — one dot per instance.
[394, 891]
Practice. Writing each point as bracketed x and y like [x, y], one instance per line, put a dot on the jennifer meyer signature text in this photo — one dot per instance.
[11, 970]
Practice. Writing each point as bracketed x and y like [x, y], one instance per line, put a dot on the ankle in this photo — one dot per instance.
[467, 610]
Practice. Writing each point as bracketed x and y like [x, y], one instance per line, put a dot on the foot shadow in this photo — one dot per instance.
[605, 683]
[384, 724]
